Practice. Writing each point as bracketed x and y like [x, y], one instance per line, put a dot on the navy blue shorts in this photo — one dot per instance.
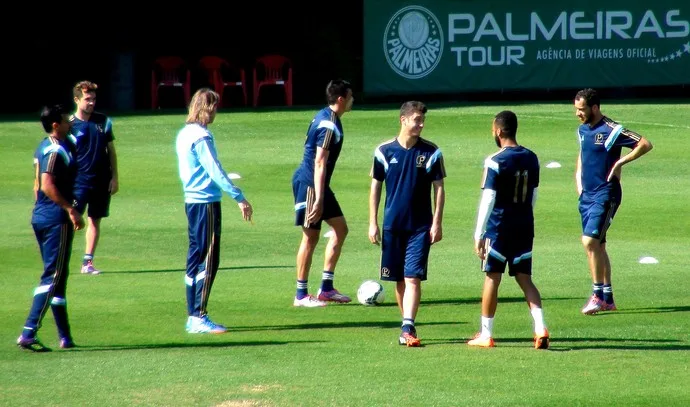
[304, 199]
[97, 198]
[515, 251]
[404, 255]
[597, 215]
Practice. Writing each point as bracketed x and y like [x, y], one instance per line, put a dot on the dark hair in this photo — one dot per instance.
[52, 114]
[335, 89]
[508, 123]
[412, 106]
[590, 96]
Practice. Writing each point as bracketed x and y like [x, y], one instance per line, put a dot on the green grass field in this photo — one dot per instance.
[129, 321]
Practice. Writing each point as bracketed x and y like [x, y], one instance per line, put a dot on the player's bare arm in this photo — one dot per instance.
[114, 183]
[643, 147]
[374, 200]
[320, 161]
[247, 210]
[50, 189]
[480, 248]
[36, 178]
[578, 173]
[439, 203]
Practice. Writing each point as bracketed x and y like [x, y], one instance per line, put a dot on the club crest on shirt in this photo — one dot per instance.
[420, 161]
[598, 139]
[99, 127]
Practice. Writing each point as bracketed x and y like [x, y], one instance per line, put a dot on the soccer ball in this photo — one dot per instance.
[370, 293]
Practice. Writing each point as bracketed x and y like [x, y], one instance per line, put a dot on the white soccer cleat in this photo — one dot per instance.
[593, 306]
[204, 325]
[309, 301]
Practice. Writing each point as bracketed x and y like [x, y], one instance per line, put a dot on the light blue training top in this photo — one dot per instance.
[203, 178]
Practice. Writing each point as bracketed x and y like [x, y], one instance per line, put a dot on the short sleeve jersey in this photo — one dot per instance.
[513, 172]
[600, 148]
[325, 131]
[58, 158]
[408, 175]
[91, 138]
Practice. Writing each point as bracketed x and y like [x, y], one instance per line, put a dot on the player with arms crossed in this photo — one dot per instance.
[315, 202]
[409, 166]
[97, 179]
[505, 227]
[54, 220]
[597, 177]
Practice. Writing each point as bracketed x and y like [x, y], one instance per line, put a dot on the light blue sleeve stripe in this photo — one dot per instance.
[491, 164]
[432, 160]
[380, 158]
[206, 153]
[611, 139]
[331, 126]
[56, 148]
[108, 125]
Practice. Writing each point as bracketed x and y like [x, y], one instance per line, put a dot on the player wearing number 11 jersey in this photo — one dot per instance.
[505, 226]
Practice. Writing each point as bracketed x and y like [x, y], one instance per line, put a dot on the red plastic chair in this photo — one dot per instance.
[273, 70]
[216, 67]
[166, 72]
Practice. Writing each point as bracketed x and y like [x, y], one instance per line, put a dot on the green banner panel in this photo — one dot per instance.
[476, 45]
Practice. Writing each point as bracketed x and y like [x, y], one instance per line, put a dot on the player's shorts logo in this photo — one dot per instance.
[385, 272]
[413, 42]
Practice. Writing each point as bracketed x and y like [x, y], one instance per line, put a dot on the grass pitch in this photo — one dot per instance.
[129, 321]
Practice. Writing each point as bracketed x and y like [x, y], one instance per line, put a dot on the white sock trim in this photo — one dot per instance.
[487, 327]
[538, 317]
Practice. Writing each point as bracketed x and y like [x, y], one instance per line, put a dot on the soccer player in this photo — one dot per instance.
[54, 220]
[409, 165]
[599, 165]
[203, 180]
[315, 202]
[97, 178]
[505, 227]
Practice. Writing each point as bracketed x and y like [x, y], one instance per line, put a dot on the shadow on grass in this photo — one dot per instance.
[183, 270]
[564, 344]
[574, 344]
[647, 310]
[478, 300]
[183, 345]
[336, 325]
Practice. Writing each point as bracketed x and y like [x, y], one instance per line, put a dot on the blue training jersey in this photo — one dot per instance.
[325, 131]
[91, 138]
[513, 172]
[58, 158]
[600, 148]
[408, 175]
[203, 178]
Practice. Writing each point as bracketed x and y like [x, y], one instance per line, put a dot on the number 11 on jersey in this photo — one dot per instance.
[520, 178]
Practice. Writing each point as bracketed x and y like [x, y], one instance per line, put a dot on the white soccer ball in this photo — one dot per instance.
[370, 293]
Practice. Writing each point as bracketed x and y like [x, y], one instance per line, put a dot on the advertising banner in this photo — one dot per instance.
[446, 46]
